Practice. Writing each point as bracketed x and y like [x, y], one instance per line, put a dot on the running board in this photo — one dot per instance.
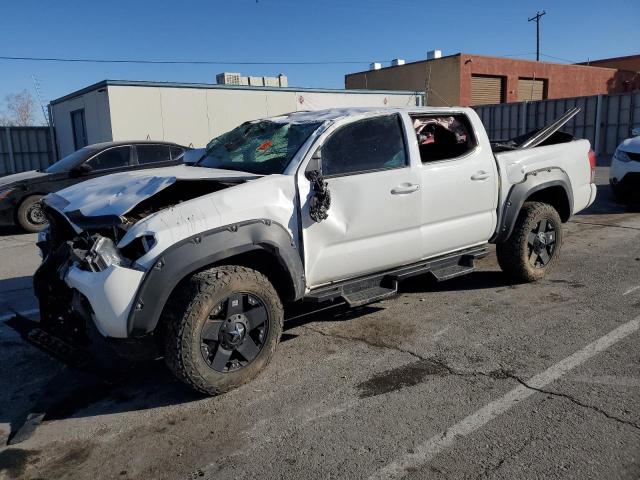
[452, 272]
[370, 295]
[375, 287]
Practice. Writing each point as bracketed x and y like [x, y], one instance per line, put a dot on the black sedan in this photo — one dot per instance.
[20, 193]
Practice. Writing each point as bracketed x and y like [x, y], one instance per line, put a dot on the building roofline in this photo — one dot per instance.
[461, 54]
[424, 60]
[610, 59]
[210, 86]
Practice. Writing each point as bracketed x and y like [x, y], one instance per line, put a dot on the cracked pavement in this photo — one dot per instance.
[351, 391]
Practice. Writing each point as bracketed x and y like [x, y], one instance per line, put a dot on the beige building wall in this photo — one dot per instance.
[193, 116]
[97, 120]
[443, 75]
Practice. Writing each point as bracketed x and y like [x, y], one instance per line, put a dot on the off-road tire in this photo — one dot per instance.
[24, 215]
[513, 254]
[188, 309]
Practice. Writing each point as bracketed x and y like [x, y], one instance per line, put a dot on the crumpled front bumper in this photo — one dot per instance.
[110, 293]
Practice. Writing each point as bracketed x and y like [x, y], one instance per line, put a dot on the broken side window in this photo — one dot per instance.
[443, 137]
[365, 145]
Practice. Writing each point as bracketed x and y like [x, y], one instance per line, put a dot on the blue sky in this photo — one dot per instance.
[290, 30]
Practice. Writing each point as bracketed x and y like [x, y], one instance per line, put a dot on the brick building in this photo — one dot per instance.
[630, 63]
[465, 79]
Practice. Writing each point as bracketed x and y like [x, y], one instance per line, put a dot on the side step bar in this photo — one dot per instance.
[376, 287]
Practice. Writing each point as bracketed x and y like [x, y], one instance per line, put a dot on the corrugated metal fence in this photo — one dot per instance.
[25, 148]
[604, 120]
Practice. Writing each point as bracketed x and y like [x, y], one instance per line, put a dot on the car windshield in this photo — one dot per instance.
[67, 163]
[262, 147]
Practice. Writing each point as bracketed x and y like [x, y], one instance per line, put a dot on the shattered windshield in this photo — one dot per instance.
[263, 147]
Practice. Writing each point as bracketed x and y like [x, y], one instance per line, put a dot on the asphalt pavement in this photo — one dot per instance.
[471, 378]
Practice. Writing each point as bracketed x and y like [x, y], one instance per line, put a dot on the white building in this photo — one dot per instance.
[188, 113]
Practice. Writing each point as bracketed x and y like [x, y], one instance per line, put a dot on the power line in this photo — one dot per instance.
[181, 62]
[206, 62]
[558, 58]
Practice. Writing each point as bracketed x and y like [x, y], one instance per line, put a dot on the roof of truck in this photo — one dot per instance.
[337, 113]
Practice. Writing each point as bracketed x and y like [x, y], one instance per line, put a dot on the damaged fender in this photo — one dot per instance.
[204, 249]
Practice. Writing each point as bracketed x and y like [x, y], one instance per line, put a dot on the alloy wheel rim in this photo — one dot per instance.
[541, 243]
[36, 215]
[234, 333]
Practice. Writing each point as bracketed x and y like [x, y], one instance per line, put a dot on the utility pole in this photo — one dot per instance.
[537, 20]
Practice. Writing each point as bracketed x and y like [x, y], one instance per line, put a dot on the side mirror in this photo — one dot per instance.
[635, 132]
[191, 157]
[80, 170]
[320, 200]
[314, 167]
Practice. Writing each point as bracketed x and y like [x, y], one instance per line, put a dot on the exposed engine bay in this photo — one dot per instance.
[64, 310]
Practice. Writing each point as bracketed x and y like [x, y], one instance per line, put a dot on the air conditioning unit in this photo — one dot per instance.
[375, 66]
[397, 61]
[433, 54]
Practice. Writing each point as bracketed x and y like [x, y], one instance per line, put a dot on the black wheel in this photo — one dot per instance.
[221, 328]
[534, 244]
[30, 215]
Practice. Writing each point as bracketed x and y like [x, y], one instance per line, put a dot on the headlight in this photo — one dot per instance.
[102, 254]
[621, 155]
[5, 193]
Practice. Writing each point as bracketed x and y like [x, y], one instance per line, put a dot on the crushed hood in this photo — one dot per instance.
[115, 195]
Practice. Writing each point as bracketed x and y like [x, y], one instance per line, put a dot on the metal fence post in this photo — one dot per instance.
[12, 160]
[596, 147]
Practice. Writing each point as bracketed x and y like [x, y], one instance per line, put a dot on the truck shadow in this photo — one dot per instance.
[110, 386]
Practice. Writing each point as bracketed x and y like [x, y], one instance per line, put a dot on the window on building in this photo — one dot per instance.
[79, 129]
[443, 137]
[366, 145]
[530, 89]
[117, 157]
[486, 89]
[153, 154]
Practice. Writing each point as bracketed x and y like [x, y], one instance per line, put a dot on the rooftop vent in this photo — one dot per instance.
[375, 66]
[397, 61]
[432, 54]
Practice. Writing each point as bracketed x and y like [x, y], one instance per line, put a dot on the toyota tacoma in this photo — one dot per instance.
[199, 261]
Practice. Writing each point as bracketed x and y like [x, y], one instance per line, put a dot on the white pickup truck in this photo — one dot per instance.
[333, 205]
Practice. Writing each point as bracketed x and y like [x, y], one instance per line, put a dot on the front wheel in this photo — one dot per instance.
[222, 327]
[30, 215]
[534, 244]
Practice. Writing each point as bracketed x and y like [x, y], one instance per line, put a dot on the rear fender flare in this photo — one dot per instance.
[518, 194]
[207, 248]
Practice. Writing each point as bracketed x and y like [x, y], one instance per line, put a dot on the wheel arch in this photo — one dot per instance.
[259, 244]
[551, 186]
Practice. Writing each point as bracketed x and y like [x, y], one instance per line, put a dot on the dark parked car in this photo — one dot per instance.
[20, 193]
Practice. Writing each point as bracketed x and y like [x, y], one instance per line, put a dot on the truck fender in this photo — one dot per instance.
[203, 249]
[520, 192]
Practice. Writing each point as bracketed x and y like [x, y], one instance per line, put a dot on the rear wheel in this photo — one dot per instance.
[30, 215]
[534, 244]
[222, 327]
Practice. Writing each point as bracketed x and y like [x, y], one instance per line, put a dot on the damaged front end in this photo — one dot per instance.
[90, 273]
[85, 283]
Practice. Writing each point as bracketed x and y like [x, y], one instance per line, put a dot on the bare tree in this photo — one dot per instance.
[20, 110]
